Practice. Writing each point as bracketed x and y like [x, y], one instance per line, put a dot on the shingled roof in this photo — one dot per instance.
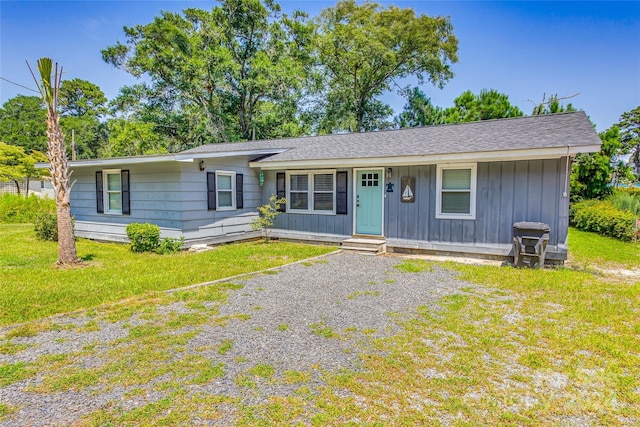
[532, 137]
[539, 136]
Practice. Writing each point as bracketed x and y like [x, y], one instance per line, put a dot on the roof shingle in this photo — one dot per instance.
[522, 133]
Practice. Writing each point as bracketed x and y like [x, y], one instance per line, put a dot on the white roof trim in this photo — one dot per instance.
[482, 156]
[187, 158]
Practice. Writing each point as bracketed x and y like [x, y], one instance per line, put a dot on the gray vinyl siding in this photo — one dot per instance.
[507, 192]
[171, 195]
[193, 186]
[155, 195]
[311, 223]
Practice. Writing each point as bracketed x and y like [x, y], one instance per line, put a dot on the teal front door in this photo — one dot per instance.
[369, 202]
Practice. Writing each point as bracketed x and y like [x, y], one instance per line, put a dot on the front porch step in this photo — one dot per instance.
[365, 246]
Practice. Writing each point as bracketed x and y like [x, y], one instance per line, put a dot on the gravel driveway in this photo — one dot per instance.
[306, 317]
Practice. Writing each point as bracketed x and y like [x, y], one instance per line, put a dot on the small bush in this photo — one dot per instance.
[46, 226]
[169, 245]
[603, 218]
[268, 214]
[16, 209]
[143, 237]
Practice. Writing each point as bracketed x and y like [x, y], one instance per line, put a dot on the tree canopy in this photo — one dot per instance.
[16, 165]
[487, 105]
[592, 172]
[23, 123]
[630, 136]
[363, 49]
[231, 66]
[81, 98]
[552, 106]
[418, 111]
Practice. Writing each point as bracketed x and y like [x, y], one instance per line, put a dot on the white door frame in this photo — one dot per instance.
[355, 197]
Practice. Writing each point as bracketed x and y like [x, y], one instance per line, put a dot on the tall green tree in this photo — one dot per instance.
[82, 104]
[630, 136]
[226, 63]
[418, 111]
[82, 98]
[591, 173]
[130, 137]
[487, 105]
[363, 49]
[23, 123]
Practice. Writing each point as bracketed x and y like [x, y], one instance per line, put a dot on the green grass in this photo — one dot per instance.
[225, 346]
[33, 287]
[262, 370]
[14, 372]
[5, 411]
[415, 266]
[321, 329]
[590, 249]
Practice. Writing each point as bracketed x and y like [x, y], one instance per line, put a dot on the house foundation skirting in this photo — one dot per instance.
[556, 254]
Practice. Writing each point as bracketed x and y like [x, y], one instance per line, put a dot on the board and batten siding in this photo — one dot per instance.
[325, 227]
[507, 192]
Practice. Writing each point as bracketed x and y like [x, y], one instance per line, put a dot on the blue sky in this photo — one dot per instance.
[523, 49]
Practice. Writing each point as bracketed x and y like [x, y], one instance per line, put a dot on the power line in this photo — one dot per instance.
[18, 84]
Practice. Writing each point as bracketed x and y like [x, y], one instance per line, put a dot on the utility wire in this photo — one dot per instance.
[18, 84]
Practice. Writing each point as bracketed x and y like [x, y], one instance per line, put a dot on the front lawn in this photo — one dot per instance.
[514, 347]
[32, 287]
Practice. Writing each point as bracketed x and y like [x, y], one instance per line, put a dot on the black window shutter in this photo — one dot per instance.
[341, 193]
[239, 192]
[281, 189]
[211, 191]
[99, 192]
[126, 198]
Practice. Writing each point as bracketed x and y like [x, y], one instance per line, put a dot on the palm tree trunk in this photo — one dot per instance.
[59, 168]
[58, 162]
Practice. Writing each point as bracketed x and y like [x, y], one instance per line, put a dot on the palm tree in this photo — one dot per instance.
[58, 162]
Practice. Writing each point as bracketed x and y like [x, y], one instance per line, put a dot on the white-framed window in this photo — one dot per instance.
[225, 190]
[311, 191]
[456, 185]
[112, 182]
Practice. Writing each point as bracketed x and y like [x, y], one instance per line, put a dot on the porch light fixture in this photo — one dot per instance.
[389, 171]
[202, 166]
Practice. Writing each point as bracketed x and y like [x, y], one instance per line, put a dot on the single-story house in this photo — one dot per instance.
[454, 189]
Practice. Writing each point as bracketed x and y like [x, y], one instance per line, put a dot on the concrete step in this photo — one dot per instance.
[365, 246]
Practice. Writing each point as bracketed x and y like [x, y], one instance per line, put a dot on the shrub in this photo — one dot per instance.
[143, 237]
[16, 209]
[170, 245]
[46, 226]
[268, 214]
[626, 201]
[603, 218]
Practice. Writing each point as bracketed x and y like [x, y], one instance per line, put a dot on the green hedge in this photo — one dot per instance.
[16, 209]
[602, 218]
